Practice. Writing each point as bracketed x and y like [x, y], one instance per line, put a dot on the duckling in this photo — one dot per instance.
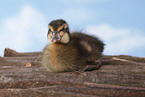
[69, 51]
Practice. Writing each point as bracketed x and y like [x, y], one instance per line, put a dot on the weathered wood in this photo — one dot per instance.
[126, 57]
[21, 75]
[12, 53]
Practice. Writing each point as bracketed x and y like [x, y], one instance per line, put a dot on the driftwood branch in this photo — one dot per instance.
[21, 75]
[12, 53]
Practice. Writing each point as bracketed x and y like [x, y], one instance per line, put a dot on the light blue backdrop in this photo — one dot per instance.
[120, 23]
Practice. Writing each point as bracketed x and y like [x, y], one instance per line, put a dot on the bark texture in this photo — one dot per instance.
[21, 75]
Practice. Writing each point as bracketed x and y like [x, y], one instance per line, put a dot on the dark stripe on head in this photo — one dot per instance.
[57, 23]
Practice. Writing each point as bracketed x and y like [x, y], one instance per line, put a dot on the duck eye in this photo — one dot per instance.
[49, 30]
[64, 29]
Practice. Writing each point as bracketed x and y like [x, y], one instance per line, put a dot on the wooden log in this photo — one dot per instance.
[12, 53]
[21, 74]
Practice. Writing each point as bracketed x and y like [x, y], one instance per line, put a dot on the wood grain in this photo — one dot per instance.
[21, 75]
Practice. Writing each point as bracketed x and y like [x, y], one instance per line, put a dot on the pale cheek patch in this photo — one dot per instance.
[49, 38]
[86, 45]
[65, 38]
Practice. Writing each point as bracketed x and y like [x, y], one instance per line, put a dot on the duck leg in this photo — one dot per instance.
[93, 66]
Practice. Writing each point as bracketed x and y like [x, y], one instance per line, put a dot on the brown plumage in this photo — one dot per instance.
[69, 51]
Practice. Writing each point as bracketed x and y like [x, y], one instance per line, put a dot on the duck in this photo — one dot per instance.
[73, 51]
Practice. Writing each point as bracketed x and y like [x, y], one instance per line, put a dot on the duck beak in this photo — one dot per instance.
[55, 37]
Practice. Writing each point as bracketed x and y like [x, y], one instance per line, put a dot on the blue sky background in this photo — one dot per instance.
[120, 23]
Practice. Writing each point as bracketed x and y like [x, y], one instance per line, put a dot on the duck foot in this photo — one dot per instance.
[95, 66]
[90, 68]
